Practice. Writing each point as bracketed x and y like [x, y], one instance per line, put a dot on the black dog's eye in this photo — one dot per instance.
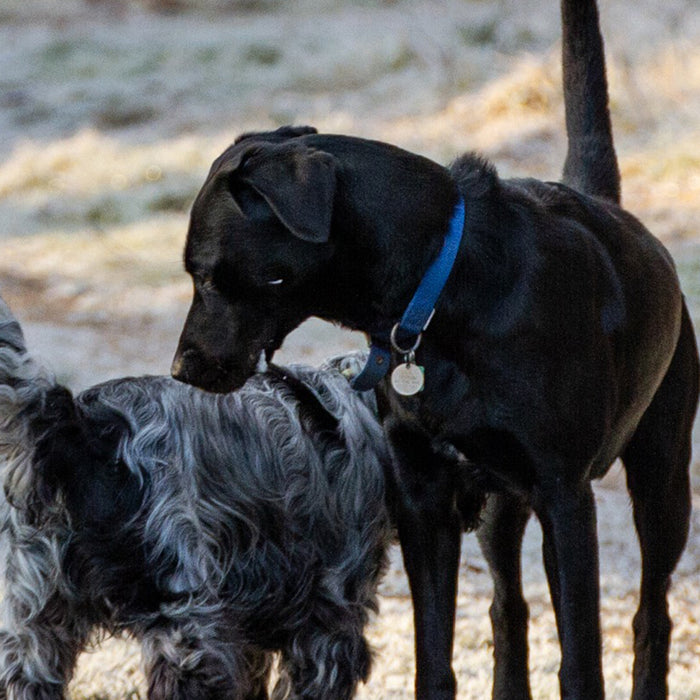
[277, 276]
[223, 282]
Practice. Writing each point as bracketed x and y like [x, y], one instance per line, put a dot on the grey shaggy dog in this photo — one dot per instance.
[217, 530]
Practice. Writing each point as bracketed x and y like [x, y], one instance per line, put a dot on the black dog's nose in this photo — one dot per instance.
[178, 369]
[193, 368]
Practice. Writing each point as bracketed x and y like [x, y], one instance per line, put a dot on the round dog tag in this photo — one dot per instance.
[407, 380]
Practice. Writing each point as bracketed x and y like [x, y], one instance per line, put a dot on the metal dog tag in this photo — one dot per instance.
[407, 379]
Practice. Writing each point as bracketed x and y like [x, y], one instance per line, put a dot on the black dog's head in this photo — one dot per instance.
[292, 224]
[259, 232]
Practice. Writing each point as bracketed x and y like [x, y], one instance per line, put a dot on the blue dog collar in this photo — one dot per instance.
[420, 309]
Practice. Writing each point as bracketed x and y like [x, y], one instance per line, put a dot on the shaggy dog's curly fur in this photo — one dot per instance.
[217, 530]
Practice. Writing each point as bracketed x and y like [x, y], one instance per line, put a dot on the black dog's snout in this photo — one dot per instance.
[178, 369]
[189, 366]
[210, 374]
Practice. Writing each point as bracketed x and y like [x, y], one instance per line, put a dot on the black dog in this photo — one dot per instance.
[560, 342]
[215, 529]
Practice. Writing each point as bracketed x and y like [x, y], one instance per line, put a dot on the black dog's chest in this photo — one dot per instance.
[491, 418]
[450, 400]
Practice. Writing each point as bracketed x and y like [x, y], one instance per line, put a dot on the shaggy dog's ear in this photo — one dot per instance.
[10, 330]
[34, 412]
[55, 427]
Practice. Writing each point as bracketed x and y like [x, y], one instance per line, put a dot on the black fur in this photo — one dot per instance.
[591, 164]
[561, 342]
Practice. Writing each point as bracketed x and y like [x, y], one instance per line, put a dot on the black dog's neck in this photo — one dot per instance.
[378, 269]
[482, 292]
[385, 276]
[391, 212]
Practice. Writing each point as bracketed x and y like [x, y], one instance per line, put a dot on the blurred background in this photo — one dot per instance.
[111, 112]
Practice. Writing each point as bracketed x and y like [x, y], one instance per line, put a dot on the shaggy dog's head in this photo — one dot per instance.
[60, 455]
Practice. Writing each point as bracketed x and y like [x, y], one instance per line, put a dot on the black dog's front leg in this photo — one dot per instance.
[500, 537]
[429, 530]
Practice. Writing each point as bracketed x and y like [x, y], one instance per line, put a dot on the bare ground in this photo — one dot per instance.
[110, 114]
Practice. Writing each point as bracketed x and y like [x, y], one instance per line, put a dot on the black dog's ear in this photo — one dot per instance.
[283, 132]
[297, 182]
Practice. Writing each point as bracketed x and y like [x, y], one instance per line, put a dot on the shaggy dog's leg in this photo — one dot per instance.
[260, 664]
[203, 659]
[38, 650]
[323, 665]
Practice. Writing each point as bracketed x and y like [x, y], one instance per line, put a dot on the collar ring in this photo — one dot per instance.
[397, 347]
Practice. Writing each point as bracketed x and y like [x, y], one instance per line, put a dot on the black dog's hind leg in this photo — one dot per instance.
[429, 527]
[500, 537]
[566, 511]
[656, 461]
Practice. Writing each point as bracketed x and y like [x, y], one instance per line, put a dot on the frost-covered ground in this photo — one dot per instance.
[110, 114]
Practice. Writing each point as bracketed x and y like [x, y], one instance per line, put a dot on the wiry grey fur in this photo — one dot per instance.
[215, 529]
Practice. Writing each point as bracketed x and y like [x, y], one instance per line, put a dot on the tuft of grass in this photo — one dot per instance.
[404, 57]
[105, 213]
[207, 55]
[177, 202]
[263, 55]
[117, 115]
[59, 51]
[482, 34]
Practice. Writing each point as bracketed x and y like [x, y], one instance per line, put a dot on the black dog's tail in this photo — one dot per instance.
[591, 164]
